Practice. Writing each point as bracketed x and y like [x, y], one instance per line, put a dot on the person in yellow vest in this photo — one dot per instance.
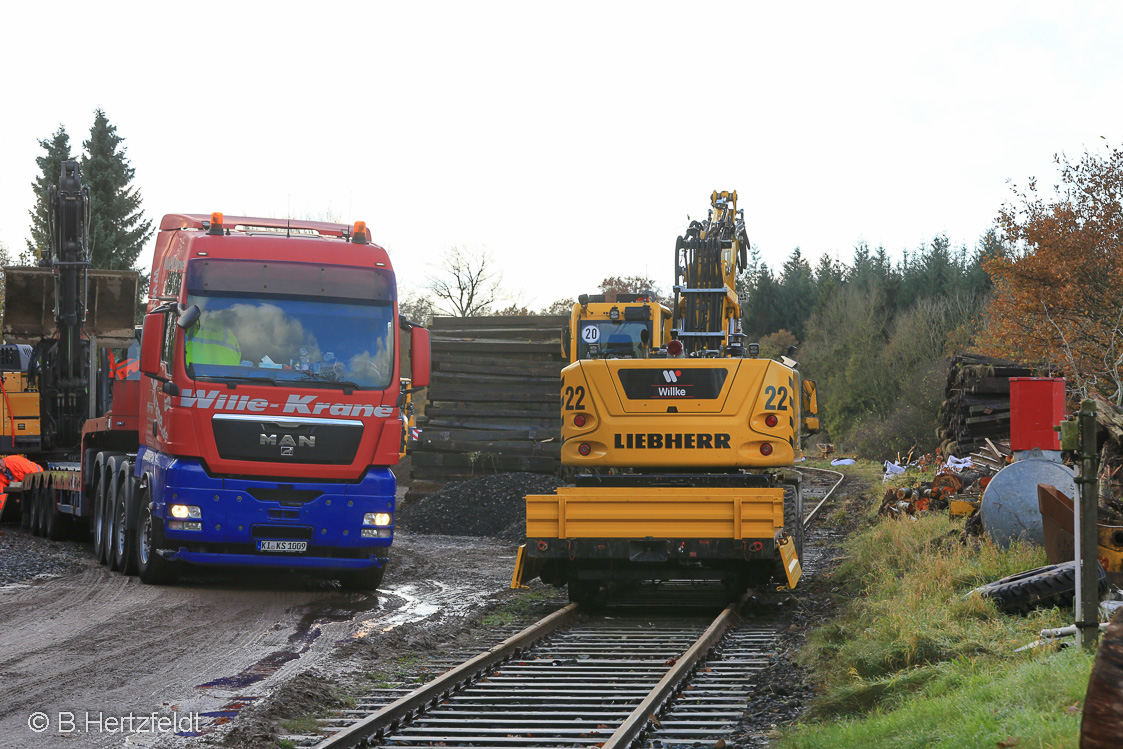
[211, 342]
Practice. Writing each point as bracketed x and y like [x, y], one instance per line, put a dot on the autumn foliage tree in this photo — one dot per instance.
[1057, 295]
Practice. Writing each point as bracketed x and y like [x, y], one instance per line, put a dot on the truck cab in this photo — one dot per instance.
[269, 406]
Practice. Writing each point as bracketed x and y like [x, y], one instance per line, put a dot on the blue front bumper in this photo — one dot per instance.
[278, 560]
[236, 514]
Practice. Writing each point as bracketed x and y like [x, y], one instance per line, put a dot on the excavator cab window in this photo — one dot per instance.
[612, 339]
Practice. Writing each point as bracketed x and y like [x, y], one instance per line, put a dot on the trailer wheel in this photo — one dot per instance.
[365, 580]
[152, 568]
[112, 489]
[124, 550]
[56, 524]
[38, 504]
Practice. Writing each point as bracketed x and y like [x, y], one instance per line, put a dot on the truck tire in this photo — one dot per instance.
[124, 550]
[1043, 587]
[151, 568]
[362, 580]
[99, 523]
[112, 489]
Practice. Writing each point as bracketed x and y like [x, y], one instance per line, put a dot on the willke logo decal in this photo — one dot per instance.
[671, 375]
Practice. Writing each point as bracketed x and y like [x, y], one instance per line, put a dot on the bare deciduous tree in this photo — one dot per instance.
[467, 284]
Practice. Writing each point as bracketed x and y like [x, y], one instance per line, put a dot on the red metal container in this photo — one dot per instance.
[1037, 404]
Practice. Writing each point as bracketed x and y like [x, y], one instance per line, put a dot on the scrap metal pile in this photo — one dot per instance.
[957, 487]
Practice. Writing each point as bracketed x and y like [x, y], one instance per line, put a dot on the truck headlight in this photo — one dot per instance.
[378, 518]
[185, 511]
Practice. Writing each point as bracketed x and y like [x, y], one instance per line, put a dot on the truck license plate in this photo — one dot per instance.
[282, 545]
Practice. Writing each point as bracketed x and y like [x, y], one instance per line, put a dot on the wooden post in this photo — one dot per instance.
[1087, 510]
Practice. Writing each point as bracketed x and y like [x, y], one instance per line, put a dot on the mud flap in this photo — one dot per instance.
[792, 568]
[520, 568]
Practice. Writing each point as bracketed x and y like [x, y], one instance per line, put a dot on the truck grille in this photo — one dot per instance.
[275, 440]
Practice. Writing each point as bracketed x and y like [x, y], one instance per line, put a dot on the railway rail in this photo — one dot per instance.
[578, 679]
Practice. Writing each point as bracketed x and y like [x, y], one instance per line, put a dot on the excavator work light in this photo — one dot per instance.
[674, 348]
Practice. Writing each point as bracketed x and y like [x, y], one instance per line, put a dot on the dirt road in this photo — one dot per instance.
[82, 652]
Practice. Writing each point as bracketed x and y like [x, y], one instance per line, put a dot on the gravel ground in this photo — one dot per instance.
[785, 689]
[485, 506]
[24, 557]
[438, 590]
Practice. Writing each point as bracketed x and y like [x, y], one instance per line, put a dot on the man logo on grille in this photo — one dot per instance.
[671, 375]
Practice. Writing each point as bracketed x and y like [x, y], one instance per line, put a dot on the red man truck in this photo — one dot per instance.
[265, 416]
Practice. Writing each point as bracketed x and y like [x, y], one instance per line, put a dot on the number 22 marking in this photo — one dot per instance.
[777, 399]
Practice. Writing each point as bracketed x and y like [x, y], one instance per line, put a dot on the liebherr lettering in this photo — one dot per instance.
[296, 404]
[673, 441]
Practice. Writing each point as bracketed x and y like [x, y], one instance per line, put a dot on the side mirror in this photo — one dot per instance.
[189, 316]
[150, 341]
[419, 357]
[565, 333]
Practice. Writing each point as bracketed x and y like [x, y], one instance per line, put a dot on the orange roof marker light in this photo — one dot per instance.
[359, 233]
[216, 224]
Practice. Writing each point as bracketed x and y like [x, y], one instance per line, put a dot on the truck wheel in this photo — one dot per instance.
[368, 579]
[152, 568]
[124, 550]
[99, 524]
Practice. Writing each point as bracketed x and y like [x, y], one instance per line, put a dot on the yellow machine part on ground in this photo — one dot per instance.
[23, 418]
[633, 512]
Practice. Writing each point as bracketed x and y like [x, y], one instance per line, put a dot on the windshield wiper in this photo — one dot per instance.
[232, 380]
[346, 385]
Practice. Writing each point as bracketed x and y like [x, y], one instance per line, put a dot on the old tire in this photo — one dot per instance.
[1043, 587]
[151, 568]
[363, 580]
[124, 550]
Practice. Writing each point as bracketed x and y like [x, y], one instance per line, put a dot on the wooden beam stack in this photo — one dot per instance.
[976, 403]
[493, 401]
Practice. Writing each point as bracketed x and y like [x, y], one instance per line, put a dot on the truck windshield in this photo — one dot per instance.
[290, 321]
[608, 339]
[288, 340]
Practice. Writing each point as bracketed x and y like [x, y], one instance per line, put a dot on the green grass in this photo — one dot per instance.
[913, 661]
[301, 724]
[519, 607]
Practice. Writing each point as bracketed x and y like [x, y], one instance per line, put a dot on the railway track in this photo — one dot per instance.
[576, 680]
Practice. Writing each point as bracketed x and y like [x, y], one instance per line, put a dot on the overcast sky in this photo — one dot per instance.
[571, 140]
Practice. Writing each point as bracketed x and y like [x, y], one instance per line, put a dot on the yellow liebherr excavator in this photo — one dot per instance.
[677, 447]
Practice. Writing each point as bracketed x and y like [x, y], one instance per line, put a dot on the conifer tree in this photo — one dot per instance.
[50, 165]
[118, 229]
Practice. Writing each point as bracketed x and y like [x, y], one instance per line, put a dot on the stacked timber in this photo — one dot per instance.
[493, 400]
[976, 403]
